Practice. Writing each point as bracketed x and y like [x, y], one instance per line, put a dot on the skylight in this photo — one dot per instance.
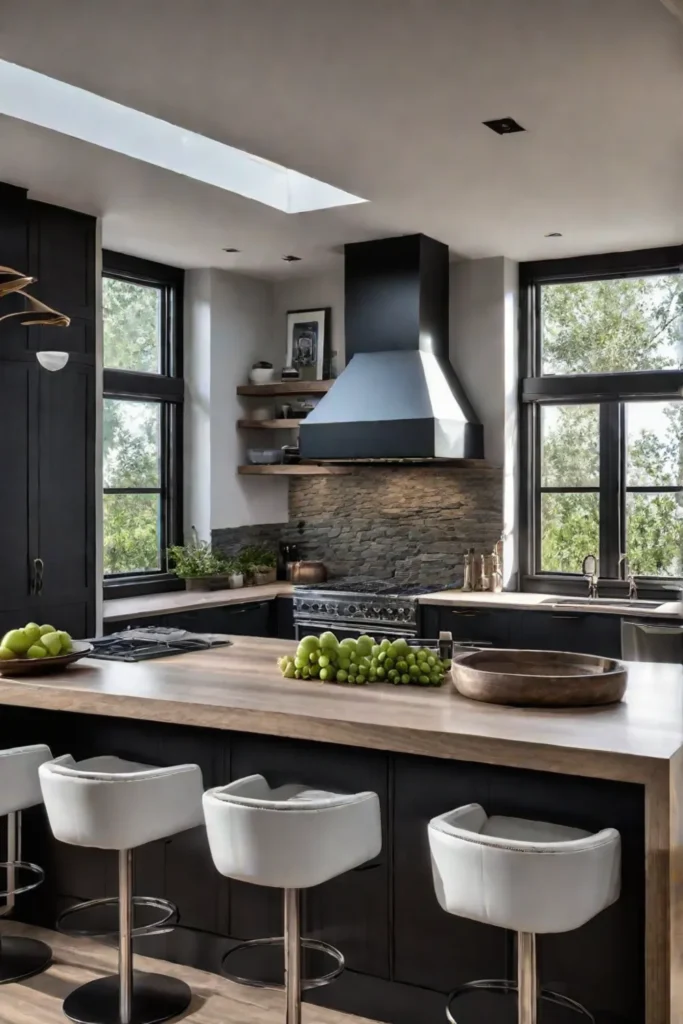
[39, 99]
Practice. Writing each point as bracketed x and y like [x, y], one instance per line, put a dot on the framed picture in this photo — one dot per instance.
[309, 342]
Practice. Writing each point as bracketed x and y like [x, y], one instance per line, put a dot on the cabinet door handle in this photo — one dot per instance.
[37, 582]
[468, 615]
[571, 618]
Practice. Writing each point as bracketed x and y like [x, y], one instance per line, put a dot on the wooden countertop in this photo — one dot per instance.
[240, 688]
[548, 603]
[188, 600]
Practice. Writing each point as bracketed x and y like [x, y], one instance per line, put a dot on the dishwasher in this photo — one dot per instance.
[651, 641]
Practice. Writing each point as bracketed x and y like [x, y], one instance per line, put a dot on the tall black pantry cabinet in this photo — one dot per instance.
[48, 422]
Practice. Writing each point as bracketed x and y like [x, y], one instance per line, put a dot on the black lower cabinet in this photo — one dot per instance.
[256, 618]
[403, 952]
[570, 631]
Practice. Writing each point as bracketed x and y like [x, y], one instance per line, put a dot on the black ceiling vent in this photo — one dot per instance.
[504, 126]
[291, 259]
[231, 248]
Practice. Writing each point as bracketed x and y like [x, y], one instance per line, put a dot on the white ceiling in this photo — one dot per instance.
[382, 98]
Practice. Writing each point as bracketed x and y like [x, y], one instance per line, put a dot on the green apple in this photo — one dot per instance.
[47, 629]
[52, 643]
[16, 640]
[65, 640]
[32, 630]
[37, 651]
[6, 654]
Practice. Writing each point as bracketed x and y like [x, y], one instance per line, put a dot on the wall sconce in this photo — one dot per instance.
[38, 314]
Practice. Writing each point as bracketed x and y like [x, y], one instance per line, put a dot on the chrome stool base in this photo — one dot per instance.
[22, 958]
[165, 924]
[155, 998]
[510, 988]
[306, 983]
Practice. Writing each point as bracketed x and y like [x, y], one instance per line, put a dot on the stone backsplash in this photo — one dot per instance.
[412, 522]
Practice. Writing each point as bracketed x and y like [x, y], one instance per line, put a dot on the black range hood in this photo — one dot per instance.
[399, 397]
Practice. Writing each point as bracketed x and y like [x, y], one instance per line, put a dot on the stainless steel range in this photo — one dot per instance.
[356, 605]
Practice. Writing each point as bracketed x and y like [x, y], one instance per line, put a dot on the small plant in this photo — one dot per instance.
[233, 566]
[256, 558]
[196, 559]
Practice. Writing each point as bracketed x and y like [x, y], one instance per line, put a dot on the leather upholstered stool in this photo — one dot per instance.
[531, 877]
[111, 804]
[291, 838]
[20, 789]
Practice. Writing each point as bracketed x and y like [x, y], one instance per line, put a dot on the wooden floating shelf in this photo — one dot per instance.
[289, 424]
[295, 469]
[286, 387]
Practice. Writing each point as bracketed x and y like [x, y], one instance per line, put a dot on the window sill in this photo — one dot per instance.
[138, 586]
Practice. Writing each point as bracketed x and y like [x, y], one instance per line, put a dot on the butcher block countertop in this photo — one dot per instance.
[240, 688]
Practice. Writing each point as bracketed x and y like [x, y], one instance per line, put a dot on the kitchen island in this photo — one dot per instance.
[423, 751]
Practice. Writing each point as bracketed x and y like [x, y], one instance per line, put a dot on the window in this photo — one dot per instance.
[602, 418]
[142, 420]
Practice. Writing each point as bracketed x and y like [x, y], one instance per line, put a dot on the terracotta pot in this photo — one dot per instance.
[261, 578]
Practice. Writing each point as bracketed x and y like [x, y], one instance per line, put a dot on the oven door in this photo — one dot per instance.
[342, 630]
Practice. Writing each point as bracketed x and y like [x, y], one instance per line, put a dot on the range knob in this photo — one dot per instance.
[352, 609]
[315, 607]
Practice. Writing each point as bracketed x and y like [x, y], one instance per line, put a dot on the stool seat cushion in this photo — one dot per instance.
[291, 837]
[19, 781]
[528, 876]
[113, 804]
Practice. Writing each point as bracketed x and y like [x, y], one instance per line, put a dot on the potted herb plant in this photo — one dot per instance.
[197, 564]
[259, 563]
[235, 571]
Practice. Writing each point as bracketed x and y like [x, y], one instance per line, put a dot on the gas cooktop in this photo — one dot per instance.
[368, 585]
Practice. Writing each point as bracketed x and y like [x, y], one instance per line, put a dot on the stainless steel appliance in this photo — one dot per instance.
[355, 605]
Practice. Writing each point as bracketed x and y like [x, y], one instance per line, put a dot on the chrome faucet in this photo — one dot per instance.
[590, 571]
[628, 576]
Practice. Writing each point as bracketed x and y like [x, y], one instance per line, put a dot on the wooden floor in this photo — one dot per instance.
[38, 1000]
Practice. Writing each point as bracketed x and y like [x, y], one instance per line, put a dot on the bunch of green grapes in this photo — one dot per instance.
[363, 661]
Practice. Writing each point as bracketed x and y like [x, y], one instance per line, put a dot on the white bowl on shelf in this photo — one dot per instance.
[264, 456]
[261, 374]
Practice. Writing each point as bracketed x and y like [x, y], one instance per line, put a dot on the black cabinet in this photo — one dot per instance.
[256, 618]
[581, 633]
[487, 625]
[284, 618]
[47, 426]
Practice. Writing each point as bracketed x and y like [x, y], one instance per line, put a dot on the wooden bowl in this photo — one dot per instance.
[40, 666]
[538, 678]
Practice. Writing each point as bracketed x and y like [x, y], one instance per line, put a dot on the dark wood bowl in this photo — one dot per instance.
[538, 678]
[41, 666]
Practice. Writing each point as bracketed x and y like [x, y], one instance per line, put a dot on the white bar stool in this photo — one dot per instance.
[19, 790]
[290, 838]
[531, 877]
[111, 804]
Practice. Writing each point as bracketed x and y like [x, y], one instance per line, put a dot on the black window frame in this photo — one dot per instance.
[609, 391]
[166, 388]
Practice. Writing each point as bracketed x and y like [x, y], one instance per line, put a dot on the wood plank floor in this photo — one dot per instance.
[38, 1000]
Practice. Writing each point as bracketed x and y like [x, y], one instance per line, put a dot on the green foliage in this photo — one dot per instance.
[256, 558]
[196, 559]
[131, 431]
[608, 326]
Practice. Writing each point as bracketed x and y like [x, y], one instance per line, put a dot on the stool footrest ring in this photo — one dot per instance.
[165, 924]
[22, 865]
[306, 983]
[505, 987]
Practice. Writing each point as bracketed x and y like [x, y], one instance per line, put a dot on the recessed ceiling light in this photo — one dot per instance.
[504, 126]
[291, 259]
[554, 234]
[231, 249]
[49, 103]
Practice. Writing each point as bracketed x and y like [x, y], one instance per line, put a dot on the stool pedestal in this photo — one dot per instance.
[128, 997]
[20, 957]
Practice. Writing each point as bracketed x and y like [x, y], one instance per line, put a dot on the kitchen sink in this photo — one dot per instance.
[600, 602]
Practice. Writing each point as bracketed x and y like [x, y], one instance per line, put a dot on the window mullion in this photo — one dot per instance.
[611, 488]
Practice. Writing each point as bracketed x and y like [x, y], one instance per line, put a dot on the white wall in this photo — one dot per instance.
[483, 350]
[313, 292]
[228, 325]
